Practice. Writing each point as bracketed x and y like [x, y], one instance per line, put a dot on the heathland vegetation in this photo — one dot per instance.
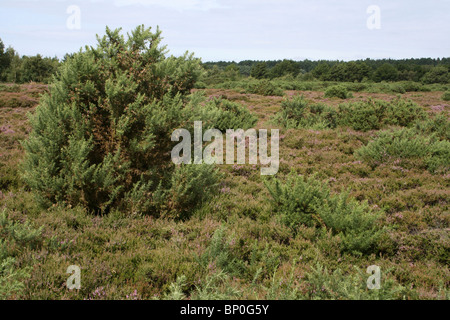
[86, 177]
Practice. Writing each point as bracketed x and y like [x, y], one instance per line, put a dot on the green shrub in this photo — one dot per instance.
[439, 125]
[297, 112]
[338, 91]
[392, 145]
[14, 236]
[439, 157]
[200, 85]
[353, 221]
[411, 86]
[214, 287]
[104, 130]
[404, 113]
[190, 185]
[219, 255]
[264, 87]
[374, 114]
[404, 145]
[356, 86]
[223, 114]
[297, 201]
[308, 202]
[363, 116]
[397, 88]
[324, 284]
[446, 96]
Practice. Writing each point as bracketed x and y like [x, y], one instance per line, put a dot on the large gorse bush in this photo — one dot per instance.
[102, 136]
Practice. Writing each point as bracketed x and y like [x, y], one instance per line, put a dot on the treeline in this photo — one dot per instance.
[426, 70]
[21, 69]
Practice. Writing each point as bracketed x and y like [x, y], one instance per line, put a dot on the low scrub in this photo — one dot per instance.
[264, 88]
[297, 112]
[307, 201]
[14, 237]
[338, 91]
[407, 148]
[328, 285]
[221, 114]
[439, 125]
[446, 96]
[374, 114]
[190, 186]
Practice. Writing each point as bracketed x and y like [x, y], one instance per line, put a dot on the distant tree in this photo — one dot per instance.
[356, 71]
[321, 71]
[5, 61]
[285, 67]
[336, 73]
[259, 70]
[232, 72]
[13, 73]
[386, 72]
[245, 70]
[407, 75]
[437, 75]
[346, 71]
[37, 68]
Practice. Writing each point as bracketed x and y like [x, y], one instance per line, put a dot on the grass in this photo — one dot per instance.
[236, 246]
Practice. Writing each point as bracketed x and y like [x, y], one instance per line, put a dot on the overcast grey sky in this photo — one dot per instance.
[237, 29]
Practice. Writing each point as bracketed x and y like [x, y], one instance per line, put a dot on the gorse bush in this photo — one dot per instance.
[356, 87]
[372, 114]
[410, 86]
[223, 114]
[338, 91]
[296, 201]
[103, 133]
[392, 145]
[328, 285]
[14, 236]
[218, 255]
[262, 87]
[297, 112]
[307, 201]
[439, 157]
[363, 116]
[439, 125]
[375, 114]
[265, 88]
[446, 96]
[187, 189]
[215, 287]
[353, 221]
[404, 113]
[407, 147]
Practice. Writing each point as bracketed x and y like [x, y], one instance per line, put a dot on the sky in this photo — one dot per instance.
[236, 30]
